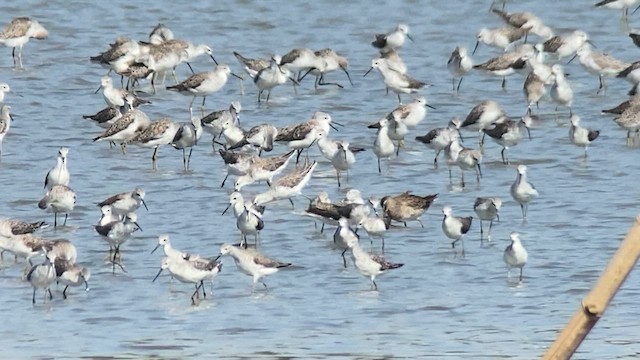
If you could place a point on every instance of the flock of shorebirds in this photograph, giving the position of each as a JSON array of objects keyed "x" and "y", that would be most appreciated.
[{"x": 242, "y": 150}]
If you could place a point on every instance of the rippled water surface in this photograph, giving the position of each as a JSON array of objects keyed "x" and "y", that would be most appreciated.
[{"x": 435, "y": 306}]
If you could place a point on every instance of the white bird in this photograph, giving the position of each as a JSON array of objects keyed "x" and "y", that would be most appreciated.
[
  {"x": 399, "y": 83},
  {"x": 567, "y": 45},
  {"x": 58, "y": 175},
  {"x": 392, "y": 40},
  {"x": 383, "y": 146},
  {"x": 18, "y": 32},
  {"x": 465, "y": 158},
  {"x": 248, "y": 219},
  {"x": 252, "y": 263},
  {"x": 71, "y": 274},
  {"x": 187, "y": 136},
  {"x": 170, "y": 251},
  {"x": 126, "y": 202},
  {"x": 270, "y": 77},
  {"x": 204, "y": 84},
  {"x": 581, "y": 136},
  {"x": 522, "y": 190},
  {"x": 212, "y": 123},
  {"x": 263, "y": 169},
  {"x": 287, "y": 186},
  {"x": 329, "y": 61},
  {"x": 515, "y": 255},
  {"x": 343, "y": 159},
  {"x": 459, "y": 65},
  {"x": 4, "y": 89},
  {"x": 125, "y": 128},
  {"x": 487, "y": 209},
  {"x": 194, "y": 272},
  {"x": 117, "y": 233},
  {"x": 374, "y": 226},
  {"x": 60, "y": 199},
  {"x": 342, "y": 236},
  {"x": 561, "y": 91},
  {"x": 500, "y": 38},
  {"x": 454, "y": 227},
  {"x": 259, "y": 137},
  {"x": 482, "y": 116},
  {"x": 5, "y": 124},
  {"x": 601, "y": 64},
  {"x": 509, "y": 133},
  {"x": 158, "y": 133},
  {"x": 42, "y": 276},
  {"x": 438, "y": 139},
  {"x": 369, "y": 265}
]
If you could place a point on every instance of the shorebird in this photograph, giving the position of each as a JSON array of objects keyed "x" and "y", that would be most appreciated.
[
  {"x": 411, "y": 114},
  {"x": 394, "y": 61},
  {"x": 232, "y": 132},
  {"x": 158, "y": 133},
  {"x": 369, "y": 265},
  {"x": 212, "y": 123},
  {"x": 260, "y": 137},
  {"x": 509, "y": 133},
  {"x": 482, "y": 116},
  {"x": 503, "y": 65},
  {"x": 42, "y": 276},
  {"x": 5, "y": 124},
  {"x": 343, "y": 159},
  {"x": 526, "y": 21},
  {"x": 170, "y": 251},
  {"x": 58, "y": 175},
  {"x": 194, "y": 272},
  {"x": 561, "y": 91},
  {"x": 623, "y": 5},
  {"x": 107, "y": 215},
  {"x": 630, "y": 121},
  {"x": 465, "y": 158},
  {"x": 375, "y": 227},
  {"x": 601, "y": 64},
  {"x": 342, "y": 235},
  {"x": 117, "y": 233},
  {"x": 329, "y": 61},
  {"x": 321, "y": 208},
  {"x": 397, "y": 82},
  {"x": 299, "y": 60},
  {"x": 105, "y": 117},
  {"x": 454, "y": 227},
  {"x": 287, "y": 186},
  {"x": 71, "y": 274},
  {"x": 18, "y": 32},
  {"x": 618, "y": 110},
  {"x": 515, "y": 255},
  {"x": 567, "y": 45},
  {"x": 487, "y": 209},
  {"x": 406, "y": 207},
  {"x": 302, "y": 136},
  {"x": 126, "y": 202},
  {"x": 25, "y": 246},
  {"x": 10, "y": 227},
  {"x": 534, "y": 89},
  {"x": 580, "y": 136},
  {"x": 459, "y": 65},
  {"x": 631, "y": 73},
  {"x": 522, "y": 190},
  {"x": 252, "y": 66},
  {"x": 392, "y": 40},
  {"x": 500, "y": 38},
  {"x": 438, "y": 139},
  {"x": 63, "y": 249},
  {"x": 60, "y": 199},
  {"x": 4, "y": 89},
  {"x": 271, "y": 76},
  {"x": 125, "y": 128},
  {"x": 248, "y": 220},
  {"x": 120, "y": 56},
  {"x": 252, "y": 263},
  {"x": 204, "y": 84},
  {"x": 187, "y": 136},
  {"x": 383, "y": 146},
  {"x": 263, "y": 169},
  {"x": 237, "y": 163}
]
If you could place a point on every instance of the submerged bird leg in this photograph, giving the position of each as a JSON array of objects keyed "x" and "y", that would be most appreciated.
[
  {"x": 459, "y": 82},
  {"x": 344, "y": 259}
]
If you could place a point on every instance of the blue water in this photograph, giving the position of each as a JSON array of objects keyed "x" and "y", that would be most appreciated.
[{"x": 435, "y": 306}]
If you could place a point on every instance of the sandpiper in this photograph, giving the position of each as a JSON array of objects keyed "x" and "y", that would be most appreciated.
[
  {"x": 252, "y": 263},
  {"x": 406, "y": 207},
  {"x": 487, "y": 209},
  {"x": 515, "y": 255},
  {"x": 454, "y": 227},
  {"x": 522, "y": 190}
]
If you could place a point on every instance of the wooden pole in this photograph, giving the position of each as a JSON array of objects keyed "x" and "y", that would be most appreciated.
[{"x": 595, "y": 303}]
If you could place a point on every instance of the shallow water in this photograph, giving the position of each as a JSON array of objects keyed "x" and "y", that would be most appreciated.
[{"x": 435, "y": 306}]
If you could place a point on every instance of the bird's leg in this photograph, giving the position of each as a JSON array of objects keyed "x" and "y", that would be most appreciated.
[
  {"x": 13, "y": 55},
  {"x": 268, "y": 95},
  {"x": 399, "y": 100},
  {"x": 223, "y": 181},
  {"x": 420, "y": 221},
  {"x": 505, "y": 162},
  {"x": 344, "y": 259},
  {"x": 33, "y": 299},
  {"x": 65, "y": 219},
  {"x": 55, "y": 219},
  {"x": 478, "y": 173},
  {"x": 453, "y": 84},
  {"x": 504, "y": 82},
  {"x": 490, "y": 226},
  {"x": 524, "y": 216},
  {"x": 260, "y": 96},
  {"x": 382, "y": 244},
  {"x": 375, "y": 286},
  {"x": 291, "y": 201},
  {"x": 462, "y": 177},
  {"x": 379, "y": 170},
  {"x": 459, "y": 82},
  {"x": 321, "y": 82},
  {"x": 338, "y": 177},
  {"x": 481, "y": 233},
  {"x": 298, "y": 156},
  {"x": 154, "y": 158},
  {"x": 322, "y": 228},
  {"x": 64, "y": 292},
  {"x": 189, "y": 158},
  {"x": 204, "y": 293},
  {"x": 521, "y": 274}
]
